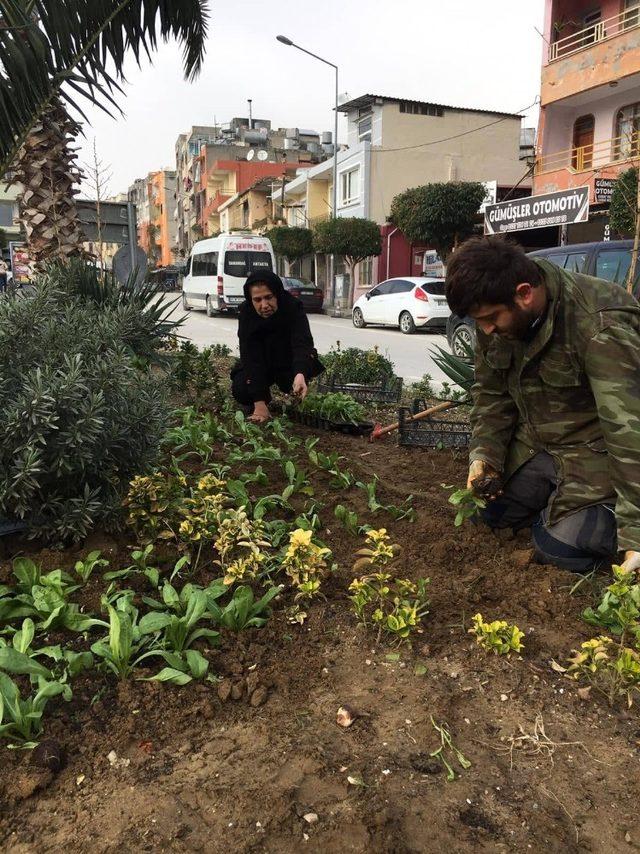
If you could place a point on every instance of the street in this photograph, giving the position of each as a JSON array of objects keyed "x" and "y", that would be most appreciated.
[{"x": 409, "y": 353}]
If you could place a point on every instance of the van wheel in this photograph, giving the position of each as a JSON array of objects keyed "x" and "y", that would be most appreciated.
[
  {"x": 406, "y": 323},
  {"x": 185, "y": 304},
  {"x": 210, "y": 309}
]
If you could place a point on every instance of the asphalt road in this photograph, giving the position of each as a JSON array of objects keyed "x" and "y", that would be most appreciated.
[{"x": 409, "y": 353}]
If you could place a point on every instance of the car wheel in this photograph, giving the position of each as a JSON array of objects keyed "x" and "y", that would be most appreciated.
[
  {"x": 210, "y": 311},
  {"x": 358, "y": 318},
  {"x": 185, "y": 304},
  {"x": 407, "y": 326},
  {"x": 463, "y": 340}
]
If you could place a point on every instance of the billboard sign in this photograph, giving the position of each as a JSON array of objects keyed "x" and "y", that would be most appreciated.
[
  {"x": 564, "y": 207},
  {"x": 603, "y": 190},
  {"x": 20, "y": 263}
]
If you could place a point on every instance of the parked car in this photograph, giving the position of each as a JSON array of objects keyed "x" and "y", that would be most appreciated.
[
  {"x": 411, "y": 302},
  {"x": 608, "y": 260},
  {"x": 309, "y": 295}
]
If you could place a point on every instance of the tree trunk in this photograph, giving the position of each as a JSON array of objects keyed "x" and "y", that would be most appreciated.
[
  {"x": 352, "y": 281},
  {"x": 636, "y": 243},
  {"x": 46, "y": 167}
]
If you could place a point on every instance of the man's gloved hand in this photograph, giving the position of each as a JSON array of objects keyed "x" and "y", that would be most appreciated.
[
  {"x": 300, "y": 386},
  {"x": 479, "y": 470},
  {"x": 631, "y": 561}
]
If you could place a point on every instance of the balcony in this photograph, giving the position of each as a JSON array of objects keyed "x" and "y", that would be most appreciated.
[
  {"x": 598, "y": 32},
  {"x": 602, "y": 54},
  {"x": 597, "y": 155}
]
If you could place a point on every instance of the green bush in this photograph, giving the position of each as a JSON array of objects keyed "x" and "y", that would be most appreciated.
[
  {"x": 354, "y": 365},
  {"x": 78, "y": 419}
]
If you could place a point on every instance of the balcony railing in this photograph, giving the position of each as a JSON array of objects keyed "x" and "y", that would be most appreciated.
[
  {"x": 598, "y": 32},
  {"x": 594, "y": 156}
]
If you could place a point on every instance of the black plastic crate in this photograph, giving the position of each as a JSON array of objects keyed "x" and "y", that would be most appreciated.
[
  {"x": 388, "y": 390},
  {"x": 11, "y": 526},
  {"x": 320, "y": 423},
  {"x": 431, "y": 432}
]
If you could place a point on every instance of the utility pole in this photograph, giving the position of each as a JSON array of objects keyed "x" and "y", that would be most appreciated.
[{"x": 636, "y": 243}]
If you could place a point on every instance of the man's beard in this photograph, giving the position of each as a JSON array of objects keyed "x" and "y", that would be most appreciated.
[{"x": 523, "y": 326}]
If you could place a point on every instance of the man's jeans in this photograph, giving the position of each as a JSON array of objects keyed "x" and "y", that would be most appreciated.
[{"x": 580, "y": 542}]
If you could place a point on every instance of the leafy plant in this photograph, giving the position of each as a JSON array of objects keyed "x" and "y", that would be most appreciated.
[
  {"x": 305, "y": 563},
  {"x": 84, "y": 568},
  {"x": 611, "y": 668},
  {"x": 195, "y": 374},
  {"x": 447, "y": 753},
  {"x": 467, "y": 504},
  {"x": 334, "y": 406},
  {"x": 498, "y": 636},
  {"x": 22, "y": 718},
  {"x": 393, "y": 605},
  {"x": 404, "y": 511},
  {"x": 240, "y": 545},
  {"x": 179, "y": 629},
  {"x": 348, "y": 518},
  {"x": 77, "y": 419},
  {"x": 355, "y": 238},
  {"x": 125, "y": 647},
  {"x": 197, "y": 435},
  {"x": 243, "y": 611},
  {"x": 619, "y": 610},
  {"x": 354, "y": 365},
  {"x": 291, "y": 242},
  {"x": 378, "y": 552}
]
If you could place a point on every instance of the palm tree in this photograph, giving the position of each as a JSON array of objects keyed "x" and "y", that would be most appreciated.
[{"x": 52, "y": 51}]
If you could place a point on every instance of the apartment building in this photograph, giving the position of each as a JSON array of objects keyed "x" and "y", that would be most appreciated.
[
  {"x": 589, "y": 127},
  {"x": 215, "y": 163},
  {"x": 394, "y": 144},
  {"x": 155, "y": 198}
]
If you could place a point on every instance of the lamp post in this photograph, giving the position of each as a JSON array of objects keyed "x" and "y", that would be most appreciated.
[{"x": 289, "y": 43}]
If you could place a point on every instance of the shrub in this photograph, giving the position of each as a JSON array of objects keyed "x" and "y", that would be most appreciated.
[
  {"x": 77, "y": 419},
  {"x": 354, "y": 365}
]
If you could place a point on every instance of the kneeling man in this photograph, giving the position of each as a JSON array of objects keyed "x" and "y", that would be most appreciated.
[{"x": 556, "y": 402}]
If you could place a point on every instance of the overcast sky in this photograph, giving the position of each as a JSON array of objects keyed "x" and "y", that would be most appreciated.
[{"x": 454, "y": 52}]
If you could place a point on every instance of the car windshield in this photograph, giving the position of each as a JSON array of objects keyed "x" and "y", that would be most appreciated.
[{"x": 435, "y": 288}]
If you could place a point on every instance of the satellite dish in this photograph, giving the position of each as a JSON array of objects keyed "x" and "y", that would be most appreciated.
[
  {"x": 121, "y": 264},
  {"x": 251, "y": 154},
  {"x": 262, "y": 154}
]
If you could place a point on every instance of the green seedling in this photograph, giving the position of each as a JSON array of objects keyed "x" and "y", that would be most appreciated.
[
  {"x": 498, "y": 636},
  {"x": 20, "y": 718},
  {"x": 18, "y": 656},
  {"x": 447, "y": 752},
  {"x": 348, "y": 518},
  {"x": 243, "y": 611},
  {"x": 85, "y": 567},
  {"x": 181, "y": 668},
  {"x": 335, "y": 406},
  {"x": 197, "y": 436},
  {"x": 467, "y": 504},
  {"x": 179, "y": 629},
  {"x": 611, "y": 668},
  {"x": 124, "y": 648},
  {"x": 403, "y": 511},
  {"x": 619, "y": 610}
]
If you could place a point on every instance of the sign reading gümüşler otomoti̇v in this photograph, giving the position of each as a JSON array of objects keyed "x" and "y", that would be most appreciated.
[{"x": 562, "y": 208}]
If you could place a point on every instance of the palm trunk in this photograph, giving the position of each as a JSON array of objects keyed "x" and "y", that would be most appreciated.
[{"x": 46, "y": 168}]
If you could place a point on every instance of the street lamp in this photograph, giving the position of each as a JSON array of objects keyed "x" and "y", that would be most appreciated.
[{"x": 289, "y": 43}]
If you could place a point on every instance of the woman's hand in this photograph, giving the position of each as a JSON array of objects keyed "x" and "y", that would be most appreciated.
[{"x": 300, "y": 386}]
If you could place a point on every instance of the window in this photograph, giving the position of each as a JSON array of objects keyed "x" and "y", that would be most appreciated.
[
  {"x": 627, "y": 141},
  {"x": 242, "y": 263},
  {"x": 631, "y": 14},
  {"x": 401, "y": 286},
  {"x": 417, "y": 108},
  {"x": 364, "y": 129},
  {"x": 575, "y": 262},
  {"x": 559, "y": 259},
  {"x": 383, "y": 289},
  {"x": 350, "y": 186},
  {"x": 365, "y": 272},
  {"x": 613, "y": 265},
  {"x": 205, "y": 264},
  {"x": 435, "y": 288},
  {"x": 6, "y": 213}
]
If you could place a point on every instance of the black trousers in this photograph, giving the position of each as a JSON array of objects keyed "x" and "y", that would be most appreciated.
[
  {"x": 579, "y": 542},
  {"x": 240, "y": 389}
]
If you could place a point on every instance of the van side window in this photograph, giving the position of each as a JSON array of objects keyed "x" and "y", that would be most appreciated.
[
  {"x": 558, "y": 259},
  {"x": 613, "y": 264},
  {"x": 205, "y": 264}
]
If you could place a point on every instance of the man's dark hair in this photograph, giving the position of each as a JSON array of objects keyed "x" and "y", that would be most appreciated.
[{"x": 487, "y": 270}]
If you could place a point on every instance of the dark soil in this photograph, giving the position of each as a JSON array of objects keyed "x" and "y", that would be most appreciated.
[{"x": 194, "y": 772}]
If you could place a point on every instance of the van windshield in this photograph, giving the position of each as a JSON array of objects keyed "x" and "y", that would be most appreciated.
[{"x": 240, "y": 264}]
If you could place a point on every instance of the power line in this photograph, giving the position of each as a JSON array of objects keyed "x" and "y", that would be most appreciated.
[{"x": 458, "y": 135}]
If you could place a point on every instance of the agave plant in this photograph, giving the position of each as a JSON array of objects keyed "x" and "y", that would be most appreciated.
[
  {"x": 52, "y": 51},
  {"x": 460, "y": 371}
]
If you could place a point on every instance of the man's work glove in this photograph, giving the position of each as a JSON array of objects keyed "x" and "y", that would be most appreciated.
[
  {"x": 484, "y": 479},
  {"x": 631, "y": 562},
  {"x": 300, "y": 386}
]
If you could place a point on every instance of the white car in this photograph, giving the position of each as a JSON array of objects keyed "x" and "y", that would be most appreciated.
[{"x": 410, "y": 302}]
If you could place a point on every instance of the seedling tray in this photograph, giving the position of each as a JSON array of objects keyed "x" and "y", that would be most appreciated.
[
  {"x": 11, "y": 526},
  {"x": 430, "y": 432},
  {"x": 320, "y": 423},
  {"x": 388, "y": 390}
]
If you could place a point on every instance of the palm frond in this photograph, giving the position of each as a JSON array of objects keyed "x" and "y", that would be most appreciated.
[
  {"x": 48, "y": 47},
  {"x": 460, "y": 372}
]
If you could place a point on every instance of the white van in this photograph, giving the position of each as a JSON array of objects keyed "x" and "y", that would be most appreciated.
[{"x": 218, "y": 267}]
